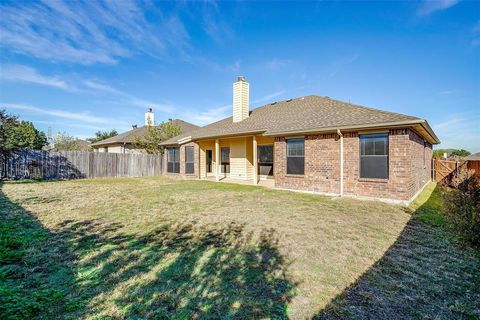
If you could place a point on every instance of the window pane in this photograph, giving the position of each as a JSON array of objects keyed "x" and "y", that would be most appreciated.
[
  {"x": 173, "y": 165},
  {"x": 295, "y": 165},
  {"x": 189, "y": 168},
  {"x": 381, "y": 146},
  {"x": 375, "y": 167},
  {"x": 374, "y": 144},
  {"x": 225, "y": 168},
  {"x": 189, "y": 155},
  {"x": 225, "y": 155},
  {"x": 265, "y": 154},
  {"x": 295, "y": 147}
]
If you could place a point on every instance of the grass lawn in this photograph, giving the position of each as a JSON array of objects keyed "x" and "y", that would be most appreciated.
[{"x": 161, "y": 248}]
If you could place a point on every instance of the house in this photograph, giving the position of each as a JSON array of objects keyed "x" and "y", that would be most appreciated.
[
  {"x": 77, "y": 145},
  {"x": 473, "y": 163},
  {"x": 124, "y": 142},
  {"x": 312, "y": 143}
]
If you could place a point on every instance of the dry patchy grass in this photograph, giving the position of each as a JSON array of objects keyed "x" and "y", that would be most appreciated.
[{"x": 164, "y": 248}]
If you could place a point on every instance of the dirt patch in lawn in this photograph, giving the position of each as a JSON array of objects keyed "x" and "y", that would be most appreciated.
[{"x": 159, "y": 248}]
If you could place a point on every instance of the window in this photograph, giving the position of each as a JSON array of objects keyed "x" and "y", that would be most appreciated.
[
  {"x": 265, "y": 160},
  {"x": 173, "y": 161},
  {"x": 295, "y": 156},
  {"x": 374, "y": 156},
  {"x": 189, "y": 160},
  {"x": 105, "y": 149},
  {"x": 225, "y": 160}
]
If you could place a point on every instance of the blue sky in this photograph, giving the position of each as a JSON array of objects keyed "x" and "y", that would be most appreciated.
[{"x": 80, "y": 67}]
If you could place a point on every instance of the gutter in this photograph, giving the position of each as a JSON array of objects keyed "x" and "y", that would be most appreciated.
[{"x": 341, "y": 161}]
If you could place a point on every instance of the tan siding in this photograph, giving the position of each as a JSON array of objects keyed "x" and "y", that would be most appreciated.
[
  {"x": 238, "y": 161},
  {"x": 249, "y": 159},
  {"x": 206, "y": 145}
]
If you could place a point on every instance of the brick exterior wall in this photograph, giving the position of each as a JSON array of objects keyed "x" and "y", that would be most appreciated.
[
  {"x": 196, "y": 162},
  {"x": 409, "y": 166},
  {"x": 322, "y": 165}
]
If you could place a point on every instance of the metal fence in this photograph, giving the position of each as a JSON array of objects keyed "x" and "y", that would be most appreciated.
[{"x": 48, "y": 165}]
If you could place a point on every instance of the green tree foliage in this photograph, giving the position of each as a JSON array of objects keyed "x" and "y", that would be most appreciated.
[
  {"x": 458, "y": 152},
  {"x": 155, "y": 135},
  {"x": 102, "y": 135},
  {"x": 27, "y": 136},
  {"x": 65, "y": 142},
  {"x": 16, "y": 134}
]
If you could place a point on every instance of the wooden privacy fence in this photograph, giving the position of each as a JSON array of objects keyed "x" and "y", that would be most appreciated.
[
  {"x": 475, "y": 166},
  {"x": 36, "y": 164},
  {"x": 444, "y": 171}
]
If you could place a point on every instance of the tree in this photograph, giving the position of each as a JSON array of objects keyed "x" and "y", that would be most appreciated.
[
  {"x": 15, "y": 135},
  {"x": 155, "y": 135},
  {"x": 65, "y": 142},
  {"x": 102, "y": 135},
  {"x": 27, "y": 136},
  {"x": 458, "y": 152}
]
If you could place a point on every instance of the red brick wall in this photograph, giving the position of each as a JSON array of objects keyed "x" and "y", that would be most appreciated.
[
  {"x": 322, "y": 165},
  {"x": 182, "y": 174},
  {"x": 407, "y": 170}
]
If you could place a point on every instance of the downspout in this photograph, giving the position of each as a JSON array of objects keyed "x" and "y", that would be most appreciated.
[{"x": 341, "y": 161}]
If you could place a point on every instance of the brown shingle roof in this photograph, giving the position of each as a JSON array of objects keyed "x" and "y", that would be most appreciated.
[
  {"x": 473, "y": 157},
  {"x": 129, "y": 136},
  {"x": 305, "y": 114}
]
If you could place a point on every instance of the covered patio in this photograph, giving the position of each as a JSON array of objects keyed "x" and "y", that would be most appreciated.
[{"x": 246, "y": 159}]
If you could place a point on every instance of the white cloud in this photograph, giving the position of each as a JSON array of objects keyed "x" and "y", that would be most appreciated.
[
  {"x": 459, "y": 131},
  {"x": 276, "y": 64},
  {"x": 79, "y": 116},
  {"x": 450, "y": 92},
  {"x": 27, "y": 74},
  {"x": 341, "y": 63},
  {"x": 206, "y": 117},
  {"x": 89, "y": 32},
  {"x": 427, "y": 7}
]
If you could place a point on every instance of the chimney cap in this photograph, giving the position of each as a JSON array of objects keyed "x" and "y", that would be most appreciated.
[{"x": 240, "y": 78}]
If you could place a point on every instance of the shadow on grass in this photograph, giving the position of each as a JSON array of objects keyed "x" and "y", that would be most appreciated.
[
  {"x": 424, "y": 274},
  {"x": 36, "y": 275},
  {"x": 94, "y": 267}
]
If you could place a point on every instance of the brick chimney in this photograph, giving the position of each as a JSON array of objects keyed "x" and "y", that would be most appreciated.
[
  {"x": 241, "y": 105},
  {"x": 149, "y": 119}
]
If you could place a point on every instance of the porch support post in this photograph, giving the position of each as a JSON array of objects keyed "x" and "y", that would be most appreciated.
[
  {"x": 217, "y": 160},
  {"x": 255, "y": 161}
]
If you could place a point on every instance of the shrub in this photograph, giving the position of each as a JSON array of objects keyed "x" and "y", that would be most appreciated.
[{"x": 462, "y": 205}]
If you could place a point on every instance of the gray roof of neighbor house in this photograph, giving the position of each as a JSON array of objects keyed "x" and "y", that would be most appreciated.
[
  {"x": 473, "y": 157},
  {"x": 304, "y": 115},
  {"x": 129, "y": 136}
]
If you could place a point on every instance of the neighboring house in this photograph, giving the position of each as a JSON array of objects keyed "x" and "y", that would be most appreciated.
[
  {"x": 124, "y": 142},
  {"x": 81, "y": 145},
  {"x": 473, "y": 163},
  {"x": 311, "y": 143}
]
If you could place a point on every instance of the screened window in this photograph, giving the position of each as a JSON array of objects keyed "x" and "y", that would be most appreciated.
[
  {"x": 173, "y": 160},
  {"x": 265, "y": 160},
  {"x": 189, "y": 160},
  {"x": 295, "y": 156},
  {"x": 225, "y": 159},
  {"x": 374, "y": 156}
]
